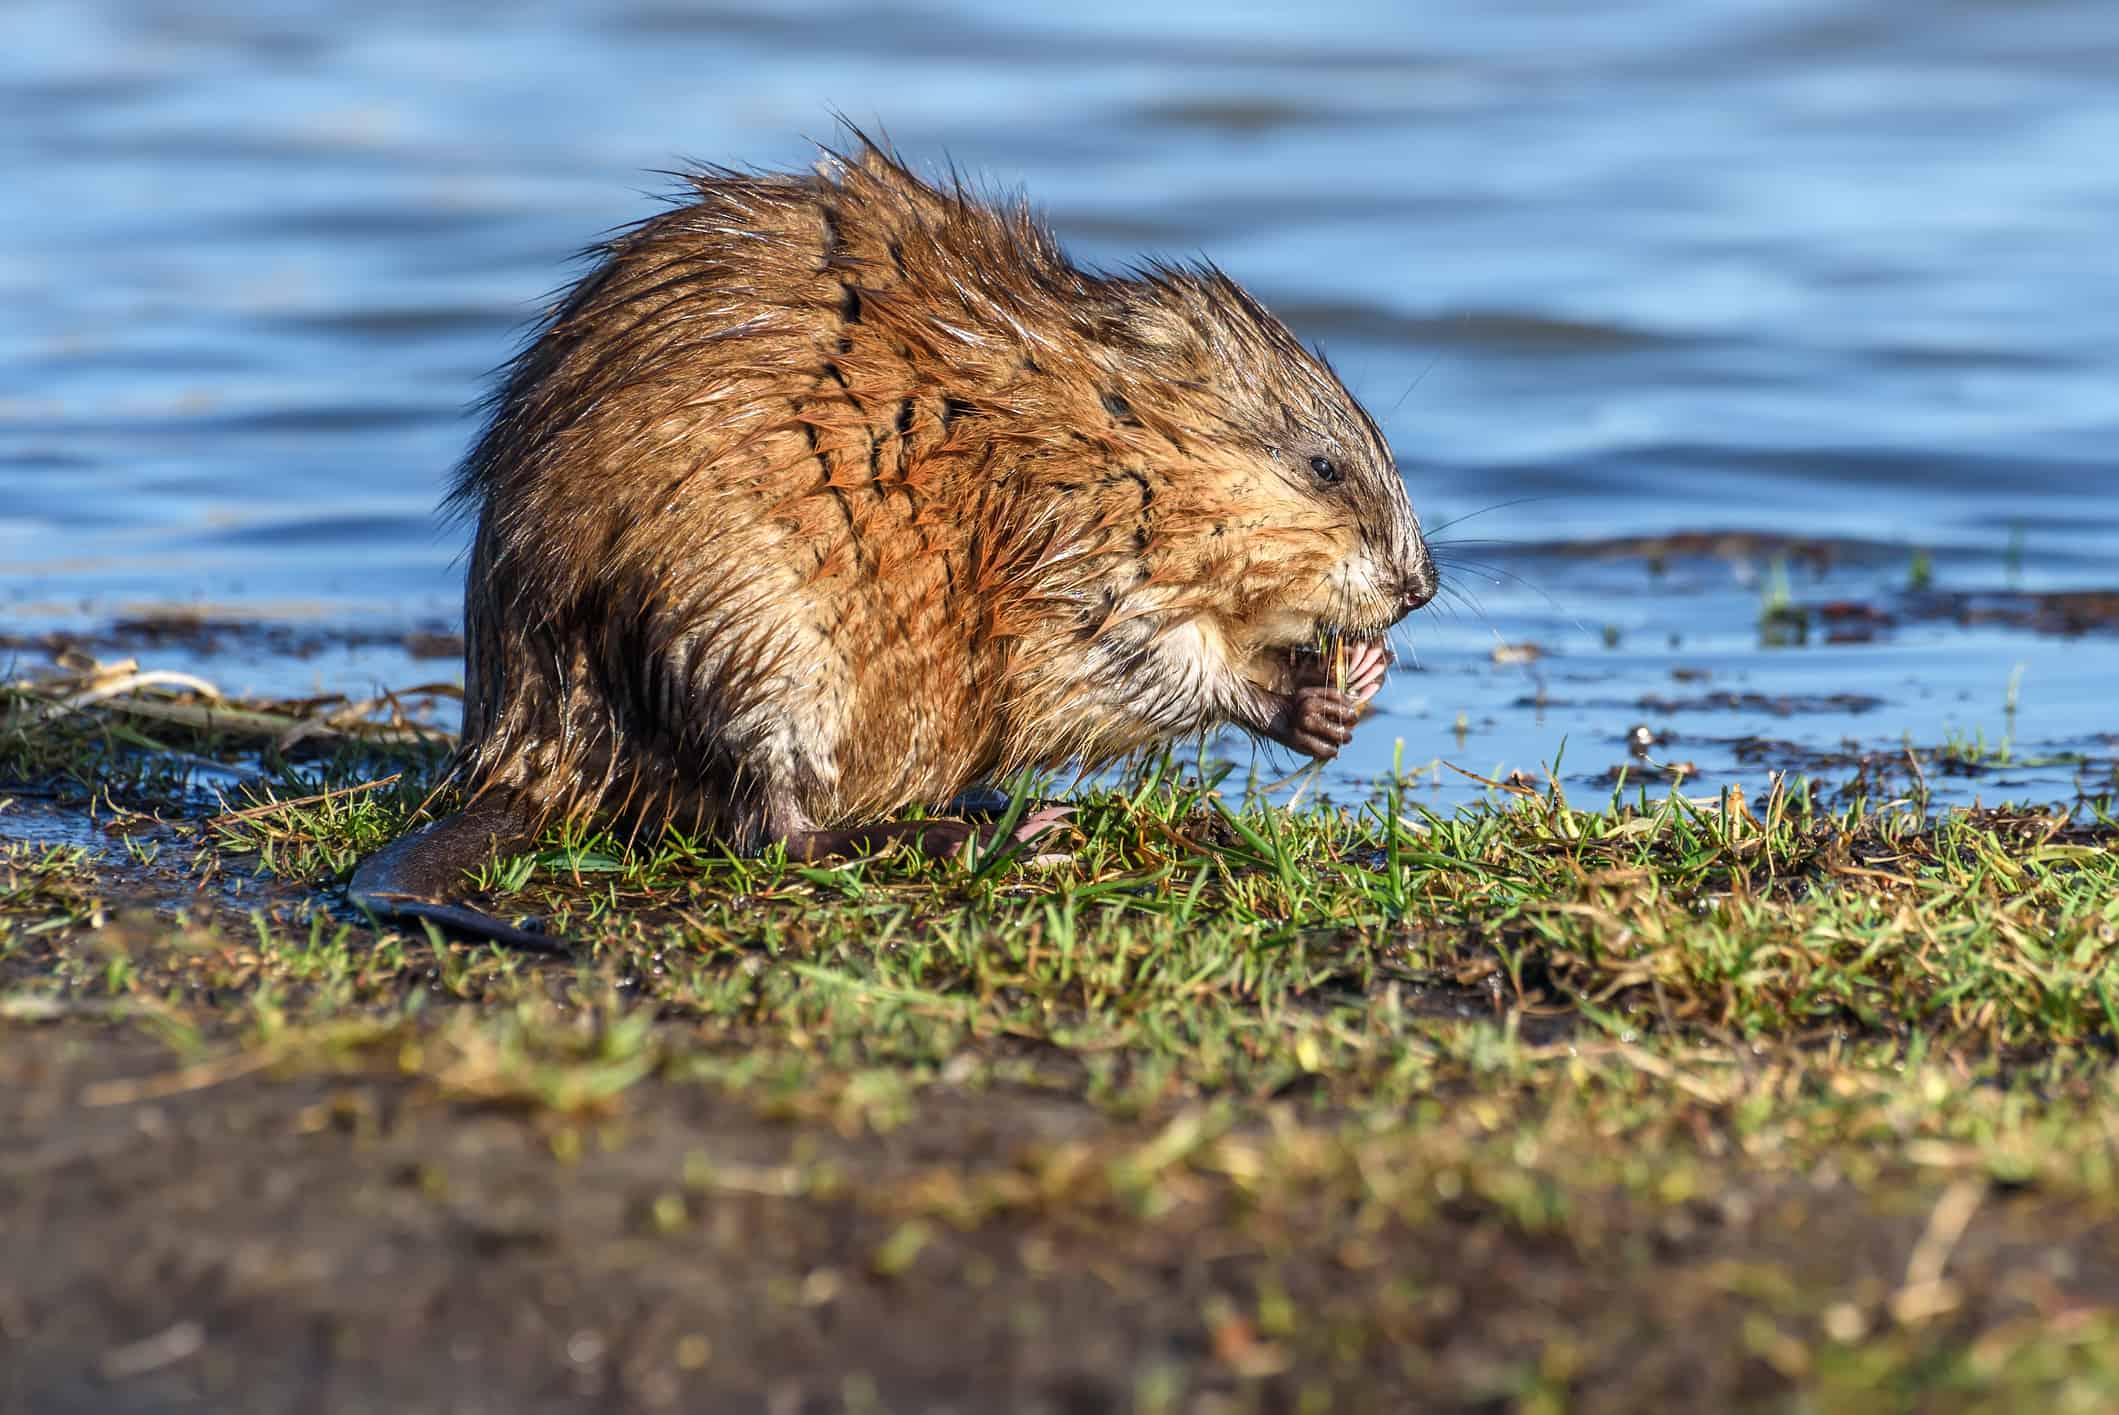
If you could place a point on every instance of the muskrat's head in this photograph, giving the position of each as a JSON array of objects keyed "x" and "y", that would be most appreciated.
[{"x": 1279, "y": 499}]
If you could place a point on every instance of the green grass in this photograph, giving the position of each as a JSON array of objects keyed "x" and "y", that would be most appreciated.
[{"x": 1320, "y": 1034}]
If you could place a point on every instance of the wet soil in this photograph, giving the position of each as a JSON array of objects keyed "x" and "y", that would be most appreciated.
[
  {"x": 230, "y": 1230},
  {"x": 352, "y": 1241}
]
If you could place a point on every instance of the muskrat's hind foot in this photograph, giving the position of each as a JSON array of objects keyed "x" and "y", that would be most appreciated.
[
  {"x": 417, "y": 876},
  {"x": 936, "y": 839}
]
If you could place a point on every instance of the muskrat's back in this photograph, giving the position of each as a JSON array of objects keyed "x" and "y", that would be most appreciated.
[
  {"x": 826, "y": 495},
  {"x": 676, "y": 506}
]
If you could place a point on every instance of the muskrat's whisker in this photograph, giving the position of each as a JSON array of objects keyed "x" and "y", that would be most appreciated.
[
  {"x": 1499, "y": 574},
  {"x": 1461, "y": 598},
  {"x": 1418, "y": 379},
  {"x": 1487, "y": 567},
  {"x": 1456, "y": 597},
  {"x": 1483, "y": 510},
  {"x": 1478, "y": 568},
  {"x": 1448, "y": 561},
  {"x": 1412, "y": 652},
  {"x": 1446, "y": 545}
]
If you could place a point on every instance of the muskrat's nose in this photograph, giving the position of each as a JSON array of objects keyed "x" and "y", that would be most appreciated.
[{"x": 1417, "y": 589}]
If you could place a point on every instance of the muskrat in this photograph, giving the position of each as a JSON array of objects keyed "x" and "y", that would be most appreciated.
[{"x": 827, "y": 495}]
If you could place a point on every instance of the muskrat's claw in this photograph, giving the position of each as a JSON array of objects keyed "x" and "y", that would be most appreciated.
[
  {"x": 941, "y": 838},
  {"x": 1365, "y": 669},
  {"x": 1357, "y": 670},
  {"x": 1030, "y": 827}
]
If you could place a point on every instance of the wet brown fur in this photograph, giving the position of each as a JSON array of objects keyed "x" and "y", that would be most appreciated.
[{"x": 825, "y": 495}]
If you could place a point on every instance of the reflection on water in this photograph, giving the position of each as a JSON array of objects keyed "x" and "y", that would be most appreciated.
[{"x": 1830, "y": 271}]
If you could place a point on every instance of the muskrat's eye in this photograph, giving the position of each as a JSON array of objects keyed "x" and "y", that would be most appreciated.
[{"x": 1325, "y": 468}]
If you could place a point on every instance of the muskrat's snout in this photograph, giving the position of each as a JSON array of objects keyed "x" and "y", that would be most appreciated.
[{"x": 1419, "y": 584}]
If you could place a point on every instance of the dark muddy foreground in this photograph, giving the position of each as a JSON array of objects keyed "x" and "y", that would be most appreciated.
[
  {"x": 1705, "y": 1106},
  {"x": 324, "y": 1240}
]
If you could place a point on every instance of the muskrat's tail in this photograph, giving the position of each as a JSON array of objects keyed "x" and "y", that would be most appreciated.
[{"x": 415, "y": 877}]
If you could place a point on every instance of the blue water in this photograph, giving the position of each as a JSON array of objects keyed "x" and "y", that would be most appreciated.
[{"x": 1828, "y": 270}]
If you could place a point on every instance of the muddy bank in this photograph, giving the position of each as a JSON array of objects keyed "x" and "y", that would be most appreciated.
[
  {"x": 245, "y": 1235},
  {"x": 782, "y": 1141}
]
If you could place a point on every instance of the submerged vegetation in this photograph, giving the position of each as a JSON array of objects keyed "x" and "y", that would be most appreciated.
[{"x": 1199, "y": 1102}]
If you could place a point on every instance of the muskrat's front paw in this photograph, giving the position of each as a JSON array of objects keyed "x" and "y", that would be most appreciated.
[{"x": 1318, "y": 721}]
